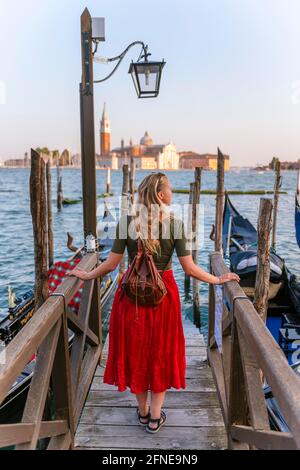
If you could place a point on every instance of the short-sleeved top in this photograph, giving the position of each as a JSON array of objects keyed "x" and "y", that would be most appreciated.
[{"x": 171, "y": 236}]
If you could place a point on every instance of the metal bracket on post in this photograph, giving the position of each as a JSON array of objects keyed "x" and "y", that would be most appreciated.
[{"x": 86, "y": 58}]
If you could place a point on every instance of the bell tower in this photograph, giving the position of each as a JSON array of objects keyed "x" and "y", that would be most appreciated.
[{"x": 104, "y": 133}]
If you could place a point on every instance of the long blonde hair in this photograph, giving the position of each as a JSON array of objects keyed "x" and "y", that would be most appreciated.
[{"x": 148, "y": 199}]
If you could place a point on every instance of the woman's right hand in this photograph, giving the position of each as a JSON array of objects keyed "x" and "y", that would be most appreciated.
[
  {"x": 228, "y": 277},
  {"x": 80, "y": 273}
]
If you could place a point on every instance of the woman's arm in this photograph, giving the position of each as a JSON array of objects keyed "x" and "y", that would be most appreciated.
[
  {"x": 107, "y": 266},
  {"x": 191, "y": 269}
]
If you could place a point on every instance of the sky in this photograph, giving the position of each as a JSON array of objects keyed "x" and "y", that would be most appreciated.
[{"x": 231, "y": 80}]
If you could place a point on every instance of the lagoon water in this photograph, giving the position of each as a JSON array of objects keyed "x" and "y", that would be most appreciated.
[{"x": 16, "y": 238}]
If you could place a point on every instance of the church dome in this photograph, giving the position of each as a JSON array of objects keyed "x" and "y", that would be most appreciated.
[{"x": 146, "y": 139}]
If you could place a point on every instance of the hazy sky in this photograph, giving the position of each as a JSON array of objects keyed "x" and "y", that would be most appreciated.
[{"x": 232, "y": 77}]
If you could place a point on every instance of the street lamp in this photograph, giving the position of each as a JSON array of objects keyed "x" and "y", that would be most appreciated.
[{"x": 146, "y": 75}]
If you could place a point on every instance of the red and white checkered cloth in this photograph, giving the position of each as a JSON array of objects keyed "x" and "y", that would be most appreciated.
[{"x": 57, "y": 273}]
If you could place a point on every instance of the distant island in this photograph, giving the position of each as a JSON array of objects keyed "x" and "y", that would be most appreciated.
[{"x": 283, "y": 165}]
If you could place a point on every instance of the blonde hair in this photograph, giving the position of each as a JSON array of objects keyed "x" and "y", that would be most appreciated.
[{"x": 148, "y": 199}]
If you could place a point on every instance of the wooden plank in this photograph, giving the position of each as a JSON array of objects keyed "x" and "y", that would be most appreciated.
[
  {"x": 176, "y": 399},
  {"x": 39, "y": 386},
  {"x": 90, "y": 361},
  {"x": 61, "y": 381},
  {"x": 11, "y": 434},
  {"x": 192, "y": 417},
  {"x": 199, "y": 384},
  {"x": 267, "y": 440},
  {"x": 79, "y": 340},
  {"x": 14, "y": 434},
  {"x": 133, "y": 437},
  {"x": 255, "y": 396},
  {"x": 63, "y": 442},
  {"x": 76, "y": 325},
  {"x": 237, "y": 404},
  {"x": 215, "y": 361}
]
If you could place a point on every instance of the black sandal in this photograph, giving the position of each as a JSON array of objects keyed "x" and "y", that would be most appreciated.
[
  {"x": 160, "y": 422},
  {"x": 143, "y": 417}
]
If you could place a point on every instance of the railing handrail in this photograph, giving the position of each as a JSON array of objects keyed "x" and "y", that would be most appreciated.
[
  {"x": 283, "y": 381},
  {"x": 19, "y": 351}
]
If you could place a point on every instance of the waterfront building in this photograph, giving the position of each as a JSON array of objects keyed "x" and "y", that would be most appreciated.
[
  {"x": 146, "y": 154},
  {"x": 207, "y": 161}
]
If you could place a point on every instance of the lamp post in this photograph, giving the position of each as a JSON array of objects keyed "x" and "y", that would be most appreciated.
[{"x": 146, "y": 76}]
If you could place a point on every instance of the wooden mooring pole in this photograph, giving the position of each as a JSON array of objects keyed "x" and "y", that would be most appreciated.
[
  {"x": 219, "y": 202},
  {"x": 49, "y": 214},
  {"x": 195, "y": 229},
  {"x": 38, "y": 208},
  {"x": 108, "y": 181},
  {"x": 124, "y": 207},
  {"x": 277, "y": 186},
  {"x": 262, "y": 281},
  {"x": 131, "y": 179},
  {"x": 60, "y": 196},
  {"x": 187, "y": 279}
]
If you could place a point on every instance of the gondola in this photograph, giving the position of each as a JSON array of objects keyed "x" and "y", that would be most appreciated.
[
  {"x": 239, "y": 239},
  {"x": 22, "y": 309}
]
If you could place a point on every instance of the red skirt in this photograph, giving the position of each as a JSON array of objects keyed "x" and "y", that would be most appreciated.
[{"x": 146, "y": 349}]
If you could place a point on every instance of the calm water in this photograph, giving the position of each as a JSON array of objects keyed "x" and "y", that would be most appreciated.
[{"x": 16, "y": 240}]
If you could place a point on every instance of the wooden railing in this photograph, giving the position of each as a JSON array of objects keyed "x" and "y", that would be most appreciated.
[
  {"x": 66, "y": 372},
  {"x": 247, "y": 353}
]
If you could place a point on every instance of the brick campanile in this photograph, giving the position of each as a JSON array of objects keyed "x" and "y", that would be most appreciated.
[{"x": 104, "y": 133}]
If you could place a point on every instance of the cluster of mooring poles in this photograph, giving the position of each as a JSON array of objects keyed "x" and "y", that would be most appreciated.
[
  {"x": 193, "y": 235},
  {"x": 265, "y": 223}
]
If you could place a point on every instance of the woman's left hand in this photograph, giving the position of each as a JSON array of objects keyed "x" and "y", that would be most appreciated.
[{"x": 80, "y": 273}]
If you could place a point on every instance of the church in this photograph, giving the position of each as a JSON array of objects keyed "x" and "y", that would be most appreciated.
[{"x": 146, "y": 154}]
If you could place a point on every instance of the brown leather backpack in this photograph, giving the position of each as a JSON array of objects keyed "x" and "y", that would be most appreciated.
[{"x": 142, "y": 282}]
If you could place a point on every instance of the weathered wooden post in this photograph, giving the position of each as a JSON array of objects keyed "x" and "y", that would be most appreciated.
[
  {"x": 219, "y": 202},
  {"x": 195, "y": 229},
  {"x": 131, "y": 178},
  {"x": 49, "y": 214},
  {"x": 124, "y": 206},
  {"x": 187, "y": 279},
  {"x": 108, "y": 181},
  {"x": 88, "y": 160},
  {"x": 38, "y": 208},
  {"x": 276, "y": 199},
  {"x": 262, "y": 280},
  {"x": 60, "y": 196}
]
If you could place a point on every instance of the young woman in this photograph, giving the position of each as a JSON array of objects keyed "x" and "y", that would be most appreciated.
[{"x": 146, "y": 344}]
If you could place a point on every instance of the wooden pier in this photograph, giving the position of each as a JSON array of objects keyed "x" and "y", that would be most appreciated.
[{"x": 194, "y": 418}]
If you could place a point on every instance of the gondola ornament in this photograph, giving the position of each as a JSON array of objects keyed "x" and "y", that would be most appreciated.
[
  {"x": 11, "y": 298},
  {"x": 90, "y": 243}
]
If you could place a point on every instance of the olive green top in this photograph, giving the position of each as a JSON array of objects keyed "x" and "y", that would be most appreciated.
[{"x": 173, "y": 237}]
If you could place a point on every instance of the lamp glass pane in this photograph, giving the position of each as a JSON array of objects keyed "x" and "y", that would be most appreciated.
[{"x": 147, "y": 76}]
